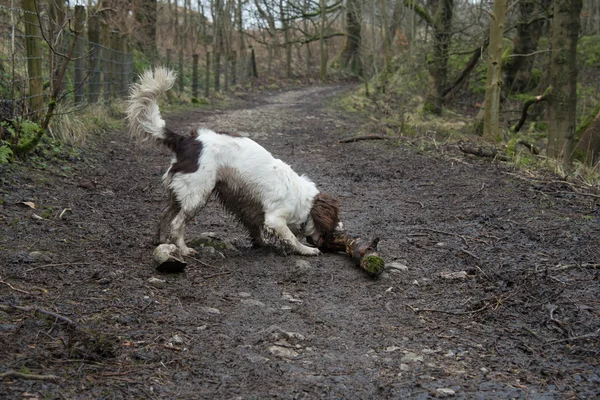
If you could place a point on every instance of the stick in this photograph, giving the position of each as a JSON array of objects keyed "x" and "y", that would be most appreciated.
[
  {"x": 361, "y": 138},
  {"x": 363, "y": 252},
  {"x": 35, "y": 377},
  {"x": 7, "y": 307}
]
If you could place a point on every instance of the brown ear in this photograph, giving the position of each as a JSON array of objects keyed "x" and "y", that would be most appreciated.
[{"x": 325, "y": 213}]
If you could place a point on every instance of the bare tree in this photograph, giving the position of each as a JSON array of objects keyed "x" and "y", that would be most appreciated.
[
  {"x": 562, "y": 98},
  {"x": 491, "y": 120}
]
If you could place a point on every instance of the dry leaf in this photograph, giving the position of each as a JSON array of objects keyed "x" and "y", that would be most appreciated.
[{"x": 29, "y": 204}]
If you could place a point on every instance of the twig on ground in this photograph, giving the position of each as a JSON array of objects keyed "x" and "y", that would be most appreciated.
[
  {"x": 215, "y": 275},
  {"x": 56, "y": 265},
  {"x": 572, "y": 338},
  {"x": 35, "y": 377},
  {"x": 14, "y": 288},
  {"x": 418, "y": 310},
  {"x": 447, "y": 233},
  {"x": 8, "y": 307},
  {"x": 361, "y": 138}
]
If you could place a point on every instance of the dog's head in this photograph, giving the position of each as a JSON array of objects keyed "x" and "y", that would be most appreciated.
[{"x": 325, "y": 215}]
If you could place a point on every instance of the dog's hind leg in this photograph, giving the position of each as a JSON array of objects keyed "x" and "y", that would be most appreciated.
[
  {"x": 178, "y": 232},
  {"x": 165, "y": 222},
  {"x": 190, "y": 202}
]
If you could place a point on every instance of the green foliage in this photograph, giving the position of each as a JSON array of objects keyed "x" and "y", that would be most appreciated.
[
  {"x": 588, "y": 51},
  {"x": 6, "y": 153}
]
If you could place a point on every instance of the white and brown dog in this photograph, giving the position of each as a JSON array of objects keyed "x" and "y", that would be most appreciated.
[{"x": 263, "y": 192}]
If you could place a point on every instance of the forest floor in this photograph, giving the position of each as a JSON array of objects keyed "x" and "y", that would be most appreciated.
[{"x": 492, "y": 291}]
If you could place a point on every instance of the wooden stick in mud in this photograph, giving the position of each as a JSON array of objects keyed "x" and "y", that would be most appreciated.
[{"x": 363, "y": 251}]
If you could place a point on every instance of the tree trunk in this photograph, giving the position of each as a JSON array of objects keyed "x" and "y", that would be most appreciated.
[
  {"x": 589, "y": 144},
  {"x": 323, "y": 69},
  {"x": 518, "y": 68},
  {"x": 491, "y": 118},
  {"x": 439, "y": 65},
  {"x": 350, "y": 54},
  {"x": 145, "y": 34},
  {"x": 562, "y": 99}
]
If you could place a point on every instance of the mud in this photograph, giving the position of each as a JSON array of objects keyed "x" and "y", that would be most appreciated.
[{"x": 492, "y": 291}]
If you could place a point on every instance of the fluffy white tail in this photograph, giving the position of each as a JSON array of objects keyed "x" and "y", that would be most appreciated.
[{"x": 143, "y": 116}]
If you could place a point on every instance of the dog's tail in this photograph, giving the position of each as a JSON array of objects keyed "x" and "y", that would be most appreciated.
[{"x": 143, "y": 116}]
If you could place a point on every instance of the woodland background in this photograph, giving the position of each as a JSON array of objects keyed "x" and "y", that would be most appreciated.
[{"x": 519, "y": 78}]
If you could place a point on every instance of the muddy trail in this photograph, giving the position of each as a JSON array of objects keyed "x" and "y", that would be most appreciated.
[{"x": 492, "y": 289}]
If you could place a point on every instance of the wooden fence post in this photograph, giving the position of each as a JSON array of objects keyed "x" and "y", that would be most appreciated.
[
  {"x": 226, "y": 73},
  {"x": 217, "y": 70},
  {"x": 195, "y": 75},
  {"x": 105, "y": 62},
  {"x": 93, "y": 41},
  {"x": 234, "y": 68},
  {"x": 122, "y": 71},
  {"x": 114, "y": 59},
  {"x": 57, "y": 43},
  {"x": 207, "y": 76},
  {"x": 180, "y": 75},
  {"x": 34, "y": 58},
  {"x": 78, "y": 61},
  {"x": 252, "y": 73}
]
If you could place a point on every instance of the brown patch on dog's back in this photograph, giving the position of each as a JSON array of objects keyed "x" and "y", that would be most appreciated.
[{"x": 187, "y": 151}]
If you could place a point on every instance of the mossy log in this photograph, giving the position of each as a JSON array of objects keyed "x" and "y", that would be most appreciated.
[{"x": 363, "y": 251}]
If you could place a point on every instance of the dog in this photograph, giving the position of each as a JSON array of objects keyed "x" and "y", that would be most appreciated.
[{"x": 263, "y": 192}]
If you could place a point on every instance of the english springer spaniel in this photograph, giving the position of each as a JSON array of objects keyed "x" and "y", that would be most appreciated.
[{"x": 263, "y": 192}]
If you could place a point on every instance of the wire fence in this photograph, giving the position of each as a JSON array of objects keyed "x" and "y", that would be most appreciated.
[{"x": 48, "y": 52}]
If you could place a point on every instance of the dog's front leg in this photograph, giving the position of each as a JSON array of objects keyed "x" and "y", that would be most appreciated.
[{"x": 278, "y": 225}]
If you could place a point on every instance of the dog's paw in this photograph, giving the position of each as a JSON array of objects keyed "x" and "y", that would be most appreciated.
[
  {"x": 187, "y": 251},
  {"x": 309, "y": 251}
]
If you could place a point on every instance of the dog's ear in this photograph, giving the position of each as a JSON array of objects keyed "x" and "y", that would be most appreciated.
[{"x": 325, "y": 213}]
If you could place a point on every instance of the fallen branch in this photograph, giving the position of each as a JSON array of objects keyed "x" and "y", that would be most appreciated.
[
  {"x": 9, "y": 307},
  {"x": 482, "y": 152},
  {"x": 363, "y": 251},
  {"x": 35, "y": 377},
  {"x": 361, "y": 138}
]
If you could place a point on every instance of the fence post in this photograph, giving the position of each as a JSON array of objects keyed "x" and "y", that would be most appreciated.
[
  {"x": 94, "y": 40},
  {"x": 233, "y": 68},
  {"x": 217, "y": 70},
  {"x": 195, "y": 75},
  {"x": 207, "y": 76},
  {"x": 226, "y": 73},
  {"x": 34, "y": 58},
  {"x": 57, "y": 44},
  {"x": 78, "y": 61},
  {"x": 114, "y": 59},
  {"x": 252, "y": 73},
  {"x": 106, "y": 62},
  {"x": 180, "y": 77},
  {"x": 122, "y": 66}
]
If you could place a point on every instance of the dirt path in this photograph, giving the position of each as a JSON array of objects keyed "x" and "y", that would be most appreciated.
[{"x": 520, "y": 319}]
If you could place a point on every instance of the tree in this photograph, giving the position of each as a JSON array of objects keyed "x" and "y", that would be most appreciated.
[
  {"x": 350, "y": 56},
  {"x": 491, "y": 119},
  {"x": 441, "y": 23},
  {"x": 145, "y": 35},
  {"x": 562, "y": 97},
  {"x": 533, "y": 14}
]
